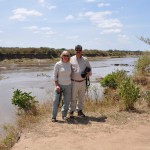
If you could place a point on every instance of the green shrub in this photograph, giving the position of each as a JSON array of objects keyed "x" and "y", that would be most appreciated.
[
  {"x": 24, "y": 101},
  {"x": 114, "y": 79},
  {"x": 109, "y": 81},
  {"x": 147, "y": 97},
  {"x": 129, "y": 94},
  {"x": 142, "y": 63}
]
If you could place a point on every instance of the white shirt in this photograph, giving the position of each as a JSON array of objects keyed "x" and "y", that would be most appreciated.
[{"x": 62, "y": 73}]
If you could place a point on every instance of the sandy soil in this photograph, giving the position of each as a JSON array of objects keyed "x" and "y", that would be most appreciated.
[{"x": 117, "y": 131}]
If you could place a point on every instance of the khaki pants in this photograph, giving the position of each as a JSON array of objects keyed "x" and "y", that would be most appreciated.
[{"x": 78, "y": 94}]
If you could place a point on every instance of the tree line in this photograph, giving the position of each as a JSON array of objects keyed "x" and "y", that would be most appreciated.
[{"x": 49, "y": 53}]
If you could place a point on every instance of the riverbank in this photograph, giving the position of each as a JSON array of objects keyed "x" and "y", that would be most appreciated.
[
  {"x": 110, "y": 130},
  {"x": 53, "y": 60},
  {"x": 36, "y": 61}
]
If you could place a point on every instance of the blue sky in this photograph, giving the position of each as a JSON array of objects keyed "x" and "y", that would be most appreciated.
[{"x": 95, "y": 24}]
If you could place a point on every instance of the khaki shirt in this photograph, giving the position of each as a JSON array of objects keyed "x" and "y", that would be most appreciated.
[{"x": 78, "y": 66}]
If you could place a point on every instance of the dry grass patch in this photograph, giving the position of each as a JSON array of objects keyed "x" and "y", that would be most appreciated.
[{"x": 24, "y": 121}]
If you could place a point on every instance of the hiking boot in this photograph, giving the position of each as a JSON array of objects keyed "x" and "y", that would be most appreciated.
[
  {"x": 81, "y": 114},
  {"x": 71, "y": 115},
  {"x": 54, "y": 120},
  {"x": 64, "y": 118}
]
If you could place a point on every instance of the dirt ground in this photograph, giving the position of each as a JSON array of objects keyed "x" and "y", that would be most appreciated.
[{"x": 116, "y": 131}]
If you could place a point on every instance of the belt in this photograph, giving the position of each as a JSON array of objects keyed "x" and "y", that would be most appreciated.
[{"x": 77, "y": 80}]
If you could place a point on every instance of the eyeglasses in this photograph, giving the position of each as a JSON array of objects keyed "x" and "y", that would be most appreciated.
[
  {"x": 78, "y": 50},
  {"x": 66, "y": 55}
]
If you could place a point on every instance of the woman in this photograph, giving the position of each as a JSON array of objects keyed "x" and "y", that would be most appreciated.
[{"x": 62, "y": 77}]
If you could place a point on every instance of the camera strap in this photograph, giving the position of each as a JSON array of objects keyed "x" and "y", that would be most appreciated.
[
  {"x": 87, "y": 82},
  {"x": 60, "y": 104}
]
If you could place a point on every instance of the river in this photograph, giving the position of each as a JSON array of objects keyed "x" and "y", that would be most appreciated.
[{"x": 38, "y": 79}]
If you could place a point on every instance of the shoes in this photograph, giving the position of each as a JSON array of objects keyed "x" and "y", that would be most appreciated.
[
  {"x": 64, "y": 118},
  {"x": 71, "y": 115},
  {"x": 81, "y": 114},
  {"x": 54, "y": 120}
]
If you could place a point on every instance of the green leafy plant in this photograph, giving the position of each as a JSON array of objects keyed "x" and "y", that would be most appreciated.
[
  {"x": 109, "y": 81},
  {"x": 142, "y": 63},
  {"x": 114, "y": 79},
  {"x": 129, "y": 94},
  {"x": 147, "y": 97},
  {"x": 24, "y": 101}
]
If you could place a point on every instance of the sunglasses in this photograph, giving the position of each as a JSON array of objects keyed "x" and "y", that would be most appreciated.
[
  {"x": 66, "y": 55},
  {"x": 78, "y": 50}
]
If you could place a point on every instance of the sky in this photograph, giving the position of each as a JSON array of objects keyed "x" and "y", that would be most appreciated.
[{"x": 94, "y": 24}]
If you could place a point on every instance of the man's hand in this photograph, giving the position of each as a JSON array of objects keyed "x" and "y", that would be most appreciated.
[{"x": 87, "y": 74}]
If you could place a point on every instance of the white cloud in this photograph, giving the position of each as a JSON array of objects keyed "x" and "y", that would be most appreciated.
[
  {"x": 42, "y": 30},
  {"x": 41, "y": 1},
  {"x": 108, "y": 31},
  {"x": 122, "y": 38},
  {"x": 89, "y": 1},
  {"x": 22, "y": 13},
  {"x": 46, "y": 5},
  {"x": 69, "y": 17},
  {"x": 32, "y": 28},
  {"x": 72, "y": 37},
  {"x": 110, "y": 23},
  {"x": 1, "y": 31},
  {"x": 45, "y": 28},
  {"x": 102, "y": 22},
  {"x": 103, "y": 4},
  {"x": 97, "y": 16},
  {"x": 50, "y": 32},
  {"x": 50, "y": 7}
]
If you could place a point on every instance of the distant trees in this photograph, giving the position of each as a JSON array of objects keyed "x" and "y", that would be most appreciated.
[{"x": 48, "y": 53}]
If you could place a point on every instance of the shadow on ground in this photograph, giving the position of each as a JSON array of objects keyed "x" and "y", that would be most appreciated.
[{"x": 86, "y": 120}]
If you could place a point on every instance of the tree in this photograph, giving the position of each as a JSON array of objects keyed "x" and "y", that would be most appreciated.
[{"x": 146, "y": 40}]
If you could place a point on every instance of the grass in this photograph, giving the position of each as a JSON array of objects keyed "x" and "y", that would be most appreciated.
[
  {"x": 25, "y": 120},
  {"x": 142, "y": 63},
  {"x": 11, "y": 137}
]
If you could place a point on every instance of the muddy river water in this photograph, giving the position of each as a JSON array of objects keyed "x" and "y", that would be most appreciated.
[{"x": 38, "y": 79}]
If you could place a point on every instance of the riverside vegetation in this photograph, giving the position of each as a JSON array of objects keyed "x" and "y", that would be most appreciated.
[
  {"x": 121, "y": 93},
  {"x": 49, "y": 53}
]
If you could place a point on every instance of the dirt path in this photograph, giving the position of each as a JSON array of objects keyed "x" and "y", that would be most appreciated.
[{"x": 125, "y": 131}]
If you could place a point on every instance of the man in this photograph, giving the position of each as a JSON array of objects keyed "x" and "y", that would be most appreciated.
[{"x": 79, "y": 63}]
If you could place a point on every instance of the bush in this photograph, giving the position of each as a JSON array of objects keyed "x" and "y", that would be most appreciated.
[
  {"x": 142, "y": 64},
  {"x": 147, "y": 97},
  {"x": 114, "y": 79},
  {"x": 129, "y": 94},
  {"x": 24, "y": 101},
  {"x": 109, "y": 81}
]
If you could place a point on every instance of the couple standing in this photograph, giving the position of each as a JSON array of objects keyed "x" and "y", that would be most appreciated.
[{"x": 68, "y": 80}]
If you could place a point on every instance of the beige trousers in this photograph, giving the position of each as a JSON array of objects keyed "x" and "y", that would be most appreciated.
[{"x": 78, "y": 95}]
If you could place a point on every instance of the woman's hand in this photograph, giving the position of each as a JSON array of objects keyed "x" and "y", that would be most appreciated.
[{"x": 58, "y": 89}]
